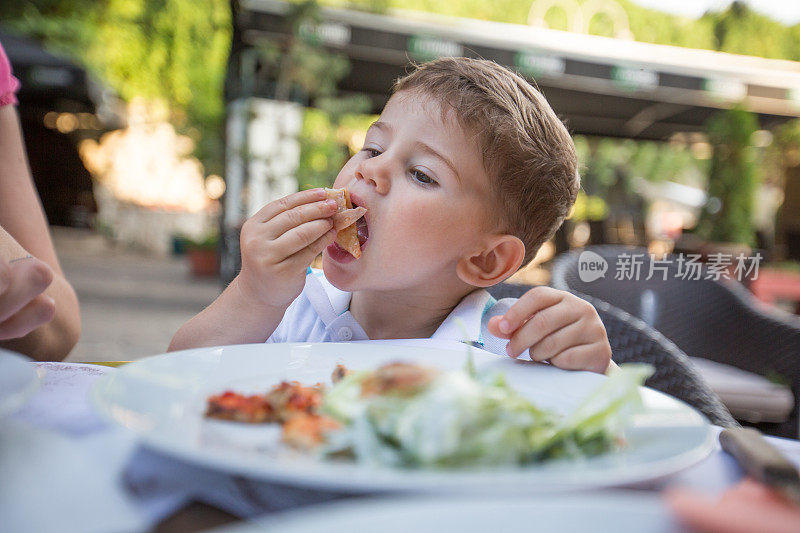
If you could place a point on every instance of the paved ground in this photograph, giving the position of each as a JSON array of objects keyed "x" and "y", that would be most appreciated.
[{"x": 131, "y": 303}]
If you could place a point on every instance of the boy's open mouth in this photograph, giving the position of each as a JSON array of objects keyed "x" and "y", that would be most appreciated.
[
  {"x": 363, "y": 231},
  {"x": 339, "y": 254},
  {"x": 362, "y": 227}
]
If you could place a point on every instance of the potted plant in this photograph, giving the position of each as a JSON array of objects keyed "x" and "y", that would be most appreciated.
[{"x": 203, "y": 255}]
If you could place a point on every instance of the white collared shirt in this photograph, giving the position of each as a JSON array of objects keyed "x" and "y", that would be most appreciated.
[{"x": 322, "y": 314}]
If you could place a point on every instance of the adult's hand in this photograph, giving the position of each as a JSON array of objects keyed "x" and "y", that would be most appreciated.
[
  {"x": 52, "y": 329},
  {"x": 39, "y": 314},
  {"x": 23, "y": 304}
]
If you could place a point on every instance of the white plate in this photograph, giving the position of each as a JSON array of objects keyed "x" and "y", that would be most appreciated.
[
  {"x": 617, "y": 511},
  {"x": 162, "y": 398},
  {"x": 18, "y": 381}
]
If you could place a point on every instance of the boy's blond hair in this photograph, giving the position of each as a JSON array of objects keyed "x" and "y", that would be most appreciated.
[{"x": 526, "y": 149}]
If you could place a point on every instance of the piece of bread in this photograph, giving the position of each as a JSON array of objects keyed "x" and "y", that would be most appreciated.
[{"x": 347, "y": 237}]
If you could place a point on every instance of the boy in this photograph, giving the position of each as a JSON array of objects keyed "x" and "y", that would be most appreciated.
[{"x": 467, "y": 172}]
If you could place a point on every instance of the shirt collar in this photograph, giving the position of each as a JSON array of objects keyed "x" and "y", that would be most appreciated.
[
  {"x": 330, "y": 303},
  {"x": 470, "y": 310}
]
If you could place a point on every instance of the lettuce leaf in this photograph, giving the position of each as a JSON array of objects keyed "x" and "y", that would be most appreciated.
[{"x": 463, "y": 419}]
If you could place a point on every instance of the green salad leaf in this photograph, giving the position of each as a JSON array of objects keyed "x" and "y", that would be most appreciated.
[{"x": 463, "y": 419}]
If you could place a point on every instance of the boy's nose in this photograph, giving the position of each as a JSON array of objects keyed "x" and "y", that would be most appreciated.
[{"x": 376, "y": 174}]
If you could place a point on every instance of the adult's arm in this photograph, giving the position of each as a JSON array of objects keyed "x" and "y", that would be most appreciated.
[{"x": 26, "y": 232}]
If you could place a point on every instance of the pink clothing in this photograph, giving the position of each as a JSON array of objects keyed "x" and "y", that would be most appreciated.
[{"x": 8, "y": 83}]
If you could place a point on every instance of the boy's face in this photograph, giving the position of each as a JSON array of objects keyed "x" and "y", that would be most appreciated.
[{"x": 427, "y": 196}]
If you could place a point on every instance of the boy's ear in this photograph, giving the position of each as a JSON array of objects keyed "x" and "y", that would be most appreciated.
[{"x": 501, "y": 258}]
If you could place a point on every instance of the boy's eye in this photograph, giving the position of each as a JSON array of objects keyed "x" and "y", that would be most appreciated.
[
  {"x": 372, "y": 152},
  {"x": 422, "y": 178}
]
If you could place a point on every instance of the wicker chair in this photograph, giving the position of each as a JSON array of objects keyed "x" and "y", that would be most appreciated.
[
  {"x": 715, "y": 320},
  {"x": 634, "y": 341}
]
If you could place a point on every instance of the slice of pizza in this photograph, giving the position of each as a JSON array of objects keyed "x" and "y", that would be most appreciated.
[{"x": 347, "y": 236}]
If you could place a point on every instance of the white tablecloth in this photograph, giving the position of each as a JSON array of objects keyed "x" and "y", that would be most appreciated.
[{"x": 63, "y": 469}]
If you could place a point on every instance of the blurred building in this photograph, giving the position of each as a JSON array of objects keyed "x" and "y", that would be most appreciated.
[
  {"x": 598, "y": 85},
  {"x": 59, "y": 105}
]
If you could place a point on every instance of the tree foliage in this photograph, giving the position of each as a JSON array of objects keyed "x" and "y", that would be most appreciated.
[
  {"x": 727, "y": 216},
  {"x": 173, "y": 50},
  {"x": 737, "y": 29}
]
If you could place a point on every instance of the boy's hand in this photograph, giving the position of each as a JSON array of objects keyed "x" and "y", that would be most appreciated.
[
  {"x": 558, "y": 327},
  {"x": 279, "y": 243}
]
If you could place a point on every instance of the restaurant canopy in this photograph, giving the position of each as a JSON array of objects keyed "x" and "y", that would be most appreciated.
[{"x": 598, "y": 85}]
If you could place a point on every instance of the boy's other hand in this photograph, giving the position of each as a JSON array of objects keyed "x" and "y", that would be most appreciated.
[
  {"x": 278, "y": 244},
  {"x": 556, "y": 326}
]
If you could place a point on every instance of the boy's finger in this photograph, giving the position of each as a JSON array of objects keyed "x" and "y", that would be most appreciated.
[
  {"x": 291, "y": 201},
  {"x": 494, "y": 327},
  {"x": 283, "y": 222},
  {"x": 37, "y": 312},
  {"x": 589, "y": 357},
  {"x": 558, "y": 341},
  {"x": 531, "y": 302},
  {"x": 307, "y": 255},
  {"x": 539, "y": 326},
  {"x": 301, "y": 237}
]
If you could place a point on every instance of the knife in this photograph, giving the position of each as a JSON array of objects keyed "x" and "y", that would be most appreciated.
[{"x": 762, "y": 461}]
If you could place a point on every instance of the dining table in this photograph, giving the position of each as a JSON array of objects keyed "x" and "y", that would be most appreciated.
[{"x": 65, "y": 468}]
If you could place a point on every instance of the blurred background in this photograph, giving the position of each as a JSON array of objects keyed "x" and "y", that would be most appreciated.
[{"x": 155, "y": 127}]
